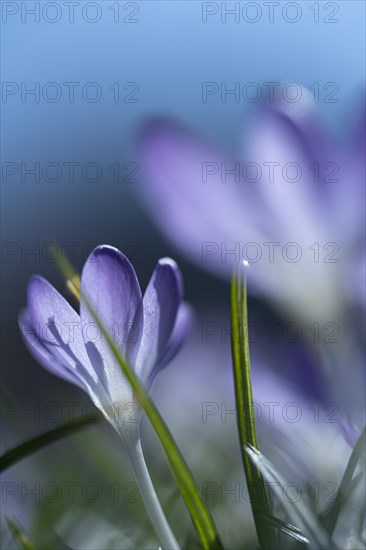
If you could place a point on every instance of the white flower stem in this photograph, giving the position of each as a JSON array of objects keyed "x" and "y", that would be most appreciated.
[{"x": 147, "y": 491}]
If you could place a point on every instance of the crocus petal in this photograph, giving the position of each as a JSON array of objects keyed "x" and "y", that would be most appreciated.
[
  {"x": 57, "y": 326},
  {"x": 52, "y": 332},
  {"x": 290, "y": 136},
  {"x": 43, "y": 355},
  {"x": 180, "y": 332},
  {"x": 109, "y": 282},
  {"x": 160, "y": 306},
  {"x": 206, "y": 208}
]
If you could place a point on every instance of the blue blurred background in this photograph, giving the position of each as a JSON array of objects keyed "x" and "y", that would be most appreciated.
[{"x": 144, "y": 59}]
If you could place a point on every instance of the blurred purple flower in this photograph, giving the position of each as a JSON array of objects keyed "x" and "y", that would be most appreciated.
[
  {"x": 294, "y": 209},
  {"x": 294, "y": 430},
  {"x": 149, "y": 330}
]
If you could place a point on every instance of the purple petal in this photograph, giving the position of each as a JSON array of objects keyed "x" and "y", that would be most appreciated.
[
  {"x": 295, "y": 188},
  {"x": 43, "y": 355},
  {"x": 58, "y": 335},
  {"x": 197, "y": 201},
  {"x": 161, "y": 301},
  {"x": 57, "y": 325},
  {"x": 180, "y": 332},
  {"x": 52, "y": 331},
  {"x": 303, "y": 198},
  {"x": 304, "y": 117},
  {"x": 109, "y": 282}
]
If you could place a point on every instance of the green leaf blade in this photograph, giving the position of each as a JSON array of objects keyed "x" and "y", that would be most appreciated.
[
  {"x": 287, "y": 529},
  {"x": 20, "y": 537},
  {"x": 245, "y": 409},
  {"x": 347, "y": 484},
  {"x": 31, "y": 446},
  {"x": 297, "y": 511}
]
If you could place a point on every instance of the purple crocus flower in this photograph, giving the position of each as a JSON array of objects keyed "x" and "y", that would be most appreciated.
[
  {"x": 149, "y": 330},
  {"x": 293, "y": 207}
]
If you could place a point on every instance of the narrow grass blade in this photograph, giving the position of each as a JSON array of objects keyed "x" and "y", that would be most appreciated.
[
  {"x": 297, "y": 511},
  {"x": 348, "y": 483},
  {"x": 287, "y": 529},
  {"x": 22, "y": 540},
  {"x": 245, "y": 409},
  {"x": 200, "y": 515},
  {"x": 36, "y": 443}
]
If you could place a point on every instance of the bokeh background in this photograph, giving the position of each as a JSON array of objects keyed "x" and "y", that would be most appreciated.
[{"x": 153, "y": 55}]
